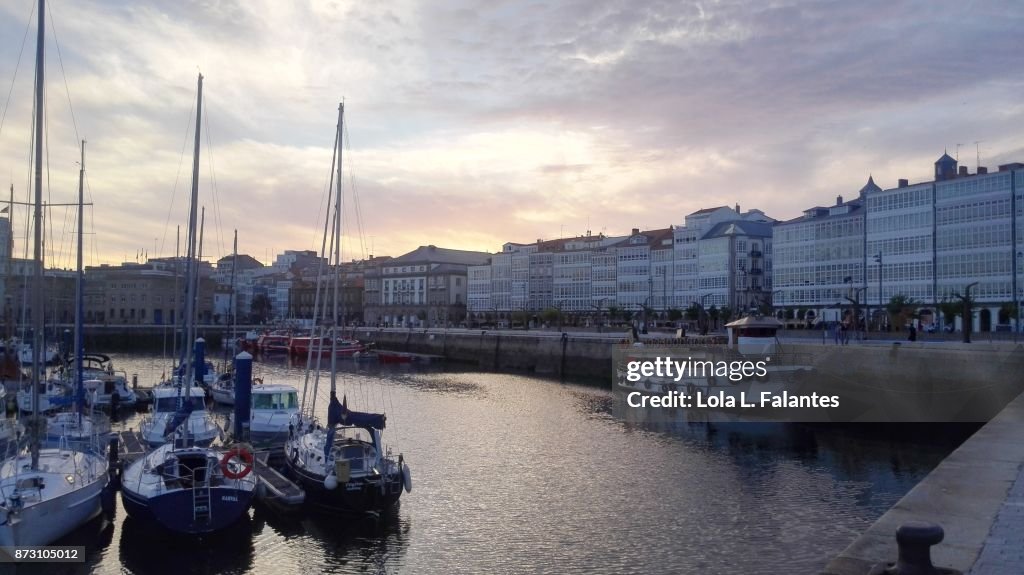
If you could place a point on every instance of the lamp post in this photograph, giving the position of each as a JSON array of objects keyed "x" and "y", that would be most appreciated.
[
  {"x": 783, "y": 293},
  {"x": 878, "y": 260},
  {"x": 1018, "y": 300},
  {"x": 745, "y": 290},
  {"x": 599, "y": 306},
  {"x": 704, "y": 312}
]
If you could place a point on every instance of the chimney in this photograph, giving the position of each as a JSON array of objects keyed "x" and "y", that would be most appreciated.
[
  {"x": 839, "y": 200},
  {"x": 738, "y": 209},
  {"x": 963, "y": 171},
  {"x": 904, "y": 182},
  {"x": 982, "y": 170},
  {"x": 636, "y": 231}
]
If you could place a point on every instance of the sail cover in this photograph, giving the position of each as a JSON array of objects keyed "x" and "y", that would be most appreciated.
[
  {"x": 339, "y": 413},
  {"x": 179, "y": 416}
]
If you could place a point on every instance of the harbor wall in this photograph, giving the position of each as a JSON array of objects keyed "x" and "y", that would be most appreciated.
[
  {"x": 562, "y": 355},
  {"x": 928, "y": 367}
]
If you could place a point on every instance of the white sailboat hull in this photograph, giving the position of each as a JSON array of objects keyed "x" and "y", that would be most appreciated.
[{"x": 51, "y": 516}]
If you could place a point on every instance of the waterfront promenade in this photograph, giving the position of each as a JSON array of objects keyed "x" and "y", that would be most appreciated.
[{"x": 976, "y": 495}]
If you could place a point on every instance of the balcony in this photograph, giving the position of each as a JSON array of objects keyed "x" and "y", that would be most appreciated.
[
  {"x": 756, "y": 271},
  {"x": 755, "y": 253}
]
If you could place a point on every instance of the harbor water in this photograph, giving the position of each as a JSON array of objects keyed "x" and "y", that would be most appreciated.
[{"x": 519, "y": 474}]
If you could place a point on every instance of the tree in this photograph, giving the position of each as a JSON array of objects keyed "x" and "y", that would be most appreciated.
[
  {"x": 260, "y": 307},
  {"x": 675, "y": 314},
  {"x": 550, "y": 315},
  {"x": 901, "y": 310},
  {"x": 613, "y": 312},
  {"x": 950, "y": 310},
  {"x": 726, "y": 314},
  {"x": 693, "y": 312},
  {"x": 713, "y": 313},
  {"x": 1007, "y": 312}
]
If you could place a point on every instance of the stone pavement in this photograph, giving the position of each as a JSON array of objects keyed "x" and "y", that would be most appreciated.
[
  {"x": 1003, "y": 553},
  {"x": 976, "y": 495}
]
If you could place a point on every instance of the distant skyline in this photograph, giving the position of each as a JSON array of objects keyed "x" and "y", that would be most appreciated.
[{"x": 473, "y": 123}]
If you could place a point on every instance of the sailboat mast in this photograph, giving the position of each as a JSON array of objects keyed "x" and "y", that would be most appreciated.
[
  {"x": 175, "y": 309},
  {"x": 231, "y": 300},
  {"x": 191, "y": 264},
  {"x": 337, "y": 249},
  {"x": 37, "y": 276},
  {"x": 79, "y": 387}
]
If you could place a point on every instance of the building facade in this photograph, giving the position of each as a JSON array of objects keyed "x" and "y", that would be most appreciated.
[
  {"x": 425, "y": 287},
  {"x": 924, "y": 242}
]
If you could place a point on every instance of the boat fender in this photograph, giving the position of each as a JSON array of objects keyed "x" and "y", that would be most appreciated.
[
  {"x": 295, "y": 455},
  {"x": 242, "y": 453},
  {"x": 257, "y": 381},
  {"x": 406, "y": 478},
  {"x": 331, "y": 482}
]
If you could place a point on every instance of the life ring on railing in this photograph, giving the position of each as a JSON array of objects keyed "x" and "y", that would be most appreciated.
[
  {"x": 257, "y": 381},
  {"x": 242, "y": 453}
]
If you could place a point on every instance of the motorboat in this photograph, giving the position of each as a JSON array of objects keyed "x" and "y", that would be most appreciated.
[{"x": 167, "y": 404}]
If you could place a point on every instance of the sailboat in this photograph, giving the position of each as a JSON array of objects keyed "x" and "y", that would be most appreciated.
[
  {"x": 184, "y": 487},
  {"x": 343, "y": 467},
  {"x": 76, "y": 427},
  {"x": 46, "y": 493}
]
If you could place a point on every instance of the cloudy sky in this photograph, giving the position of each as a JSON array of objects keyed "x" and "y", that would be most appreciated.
[{"x": 475, "y": 122}]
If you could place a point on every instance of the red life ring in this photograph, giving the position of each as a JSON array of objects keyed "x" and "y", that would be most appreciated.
[{"x": 246, "y": 457}]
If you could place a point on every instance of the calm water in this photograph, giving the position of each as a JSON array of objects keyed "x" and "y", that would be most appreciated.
[{"x": 514, "y": 474}]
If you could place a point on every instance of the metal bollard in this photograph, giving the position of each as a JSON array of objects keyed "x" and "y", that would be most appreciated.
[{"x": 915, "y": 539}]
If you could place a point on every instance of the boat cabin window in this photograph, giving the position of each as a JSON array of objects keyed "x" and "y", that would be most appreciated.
[{"x": 287, "y": 400}]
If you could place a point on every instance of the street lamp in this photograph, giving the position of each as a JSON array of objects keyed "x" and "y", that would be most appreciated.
[
  {"x": 1017, "y": 299},
  {"x": 779, "y": 291},
  {"x": 878, "y": 260},
  {"x": 599, "y": 306}
]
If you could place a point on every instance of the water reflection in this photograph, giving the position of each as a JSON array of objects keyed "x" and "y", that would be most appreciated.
[
  {"x": 519, "y": 474},
  {"x": 325, "y": 544},
  {"x": 145, "y": 548}
]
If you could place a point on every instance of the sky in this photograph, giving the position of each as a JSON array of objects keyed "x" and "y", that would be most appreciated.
[{"x": 471, "y": 123}]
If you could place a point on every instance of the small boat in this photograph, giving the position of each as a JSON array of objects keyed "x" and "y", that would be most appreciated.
[
  {"x": 83, "y": 432},
  {"x": 343, "y": 466},
  {"x": 273, "y": 408},
  {"x": 300, "y": 346},
  {"x": 53, "y": 394},
  {"x": 394, "y": 357},
  {"x": 166, "y": 409},
  {"x": 210, "y": 374},
  {"x": 223, "y": 390},
  {"x": 105, "y": 392},
  {"x": 189, "y": 489},
  {"x": 50, "y": 354},
  {"x": 274, "y": 342}
]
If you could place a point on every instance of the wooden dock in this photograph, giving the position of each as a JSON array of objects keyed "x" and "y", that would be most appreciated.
[
  {"x": 130, "y": 446},
  {"x": 275, "y": 490}
]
